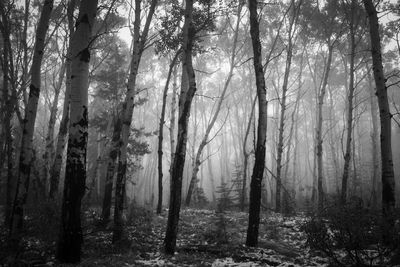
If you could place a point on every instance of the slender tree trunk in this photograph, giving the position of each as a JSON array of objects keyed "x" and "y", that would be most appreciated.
[
  {"x": 188, "y": 88},
  {"x": 9, "y": 105},
  {"x": 205, "y": 140},
  {"x": 70, "y": 236},
  {"x": 55, "y": 171},
  {"x": 111, "y": 164},
  {"x": 375, "y": 148},
  {"x": 351, "y": 88},
  {"x": 289, "y": 54},
  {"x": 172, "y": 115},
  {"x": 49, "y": 150},
  {"x": 25, "y": 158},
  {"x": 127, "y": 112},
  {"x": 103, "y": 148},
  {"x": 388, "y": 182},
  {"x": 258, "y": 170},
  {"x": 246, "y": 155},
  {"x": 319, "y": 139},
  {"x": 161, "y": 133}
]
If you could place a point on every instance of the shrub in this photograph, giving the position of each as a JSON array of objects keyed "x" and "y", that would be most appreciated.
[{"x": 351, "y": 235}]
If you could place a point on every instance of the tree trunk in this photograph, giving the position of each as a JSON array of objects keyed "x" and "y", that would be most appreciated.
[
  {"x": 55, "y": 171},
  {"x": 246, "y": 158},
  {"x": 25, "y": 158},
  {"x": 161, "y": 133},
  {"x": 7, "y": 111},
  {"x": 70, "y": 237},
  {"x": 188, "y": 88},
  {"x": 319, "y": 136},
  {"x": 127, "y": 112},
  {"x": 374, "y": 138},
  {"x": 351, "y": 88},
  {"x": 258, "y": 170},
  {"x": 388, "y": 182},
  {"x": 49, "y": 150},
  {"x": 205, "y": 141},
  {"x": 111, "y": 163},
  {"x": 282, "y": 115}
]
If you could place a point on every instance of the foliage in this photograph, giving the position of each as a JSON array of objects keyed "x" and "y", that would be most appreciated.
[
  {"x": 199, "y": 198},
  {"x": 351, "y": 235},
  {"x": 170, "y": 26}
]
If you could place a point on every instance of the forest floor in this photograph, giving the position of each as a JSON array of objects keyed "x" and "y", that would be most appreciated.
[{"x": 205, "y": 238}]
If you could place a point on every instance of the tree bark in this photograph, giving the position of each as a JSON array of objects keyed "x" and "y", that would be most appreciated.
[
  {"x": 49, "y": 150},
  {"x": 289, "y": 54},
  {"x": 374, "y": 138},
  {"x": 70, "y": 236},
  {"x": 127, "y": 113},
  {"x": 25, "y": 158},
  {"x": 55, "y": 170},
  {"x": 258, "y": 170},
  {"x": 351, "y": 88},
  {"x": 111, "y": 164},
  {"x": 188, "y": 88},
  {"x": 205, "y": 140},
  {"x": 319, "y": 139},
  {"x": 246, "y": 155},
  {"x": 161, "y": 133},
  {"x": 388, "y": 182}
]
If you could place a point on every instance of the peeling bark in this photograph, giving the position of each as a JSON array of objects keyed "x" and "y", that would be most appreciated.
[{"x": 70, "y": 236}]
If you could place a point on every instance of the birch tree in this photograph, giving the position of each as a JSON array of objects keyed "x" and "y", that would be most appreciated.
[
  {"x": 70, "y": 236},
  {"x": 25, "y": 158}
]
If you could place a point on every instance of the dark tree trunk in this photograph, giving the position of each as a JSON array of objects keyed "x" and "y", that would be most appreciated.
[
  {"x": 70, "y": 237},
  {"x": 127, "y": 113},
  {"x": 111, "y": 163},
  {"x": 55, "y": 170},
  {"x": 188, "y": 88},
  {"x": 258, "y": 170},
  {"x": 161, "y": 133},
  {"x": 388, "y": 182}
]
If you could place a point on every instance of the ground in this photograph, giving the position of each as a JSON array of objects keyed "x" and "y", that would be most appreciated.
[{"x": 206, "y": 238}]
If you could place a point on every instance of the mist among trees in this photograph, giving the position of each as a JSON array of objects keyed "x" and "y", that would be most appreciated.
[{"x": 199, "y": 133}]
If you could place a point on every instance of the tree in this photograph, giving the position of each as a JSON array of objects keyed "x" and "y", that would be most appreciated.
[
  {"x": 289, "y": 54},
  {"x": 139, "y": 41},
  {"x": 161, "y": 131},
  {"x": 351, "y": 89},
  {"x": 26, "y": 153},
  {"x": 205, "y": 141},
  {"x": 70, "y": 237},
  {"x": 55, "y": 170},
  {"x": 258, "y": 169},
  {"x": 188, "y": 88},
  {"x": 388, "y": 183}
]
